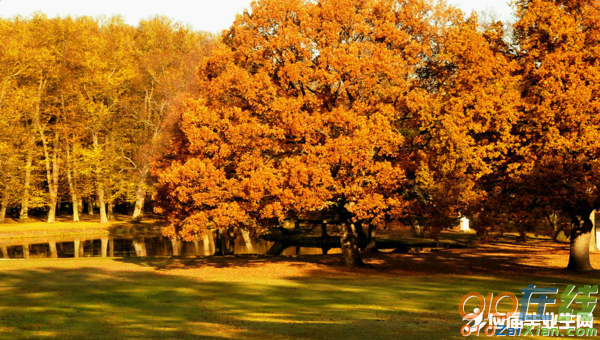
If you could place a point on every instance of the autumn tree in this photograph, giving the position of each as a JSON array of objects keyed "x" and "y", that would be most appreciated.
[
  {"x": 82, "y": 105},
  {"x": 307, "y": 109},
  {"x": 18, "y": 96},
  {"x": 558, "y": 49},
  {"x": 105, "y": 68},
  {"x": 166, "y": 55},
  {"x": 466, "y": 132},
  {"x": 9, "y": 116},
  {"x": 49, "y": 41}
]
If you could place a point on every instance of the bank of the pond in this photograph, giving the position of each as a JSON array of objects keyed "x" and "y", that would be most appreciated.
[
  {"x": 40, "y": 229},
  {"x": 66, "y": 227}
]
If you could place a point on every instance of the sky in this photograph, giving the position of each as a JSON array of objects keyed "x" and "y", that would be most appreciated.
[{"x": 204, "y": 15}]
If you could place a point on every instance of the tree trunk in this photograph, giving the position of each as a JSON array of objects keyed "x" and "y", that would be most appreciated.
[
  {"x": 196, "y": 248},
  {"x": 24, "y": 213},
  {"x": 3, "y": 205},
  {"x": 51, "y": 173},
  {"x": 553, "y": 220},
  {"x": 372, "y": 244},
  {"x": 72, "y": 189},
  {"x": 220, "y": 243},
  {"x": 363, "y": 239},
  {"x": 2, "y": 212},
  {"x": 417, "y": 231},
  {"x": 231, "y": 242},
  {"x": 176, "y": 247},
  {"x": 80, "y": 202},
  {"x": 111, "y": 213},
  {"x": 51, "y": 164},
  {"x": 75, "y": 208},
  {"x": 593, "y": 242},
  {"x": 579, "y": 258},
  {"x": 103, "y": 217},
  {"x": 247, "y": 240},
  {"x": 90, "y": 206},
  {"x": 140, "y": 198},
  {"x": 349, "y": 239},
  {"x": 53, "y": 186},
  {"x": 209, "y": 243}
]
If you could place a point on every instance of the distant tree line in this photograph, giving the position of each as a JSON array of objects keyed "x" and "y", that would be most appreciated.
[{"x": 85, "y": 104}]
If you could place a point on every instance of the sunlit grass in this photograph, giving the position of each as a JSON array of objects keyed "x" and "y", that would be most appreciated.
[{"x": 139, "y": 298}]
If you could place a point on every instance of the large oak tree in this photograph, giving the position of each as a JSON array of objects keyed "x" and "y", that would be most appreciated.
[
  {"x": 312, "y": 109},
  {"x": 556, "y": 161}
]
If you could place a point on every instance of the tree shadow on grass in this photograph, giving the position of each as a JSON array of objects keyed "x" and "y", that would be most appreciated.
[
  {"x": 231, "y": 261},
  {"x": 99, "y": 304},
  {"x": 507, "y": 260}
]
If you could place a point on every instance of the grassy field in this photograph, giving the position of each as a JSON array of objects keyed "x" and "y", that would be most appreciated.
[{"x": 399, "y": 296}]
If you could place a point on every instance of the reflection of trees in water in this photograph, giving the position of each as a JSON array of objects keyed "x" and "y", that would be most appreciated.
[{"x": 127, "y": 246}]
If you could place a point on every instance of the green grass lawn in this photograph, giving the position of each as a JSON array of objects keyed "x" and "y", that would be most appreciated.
[{"x": 399, "y": 297}]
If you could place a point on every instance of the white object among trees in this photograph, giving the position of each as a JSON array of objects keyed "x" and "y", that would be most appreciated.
[{"x": 464, "y": 225}]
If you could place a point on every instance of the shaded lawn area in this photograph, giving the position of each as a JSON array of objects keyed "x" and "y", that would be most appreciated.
[{"x": 402, "y": 296}]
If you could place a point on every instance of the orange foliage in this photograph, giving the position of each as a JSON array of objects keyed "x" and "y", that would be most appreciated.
[
  {"x": 370, "y": 110},
  {"x": 306, "y": 109},
  {"x": 556, "y": 162}
]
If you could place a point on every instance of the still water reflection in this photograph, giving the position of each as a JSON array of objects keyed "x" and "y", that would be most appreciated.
[{"x": 147, "y": 244}]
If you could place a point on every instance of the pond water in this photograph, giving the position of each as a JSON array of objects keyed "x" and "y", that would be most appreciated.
[{"x": 140, "y": 244}]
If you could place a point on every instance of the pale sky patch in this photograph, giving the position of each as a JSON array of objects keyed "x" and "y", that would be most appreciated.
[{"x": 205, "y": 15}]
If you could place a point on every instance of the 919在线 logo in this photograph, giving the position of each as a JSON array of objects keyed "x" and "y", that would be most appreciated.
[{"x": 523, "y": 319}]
